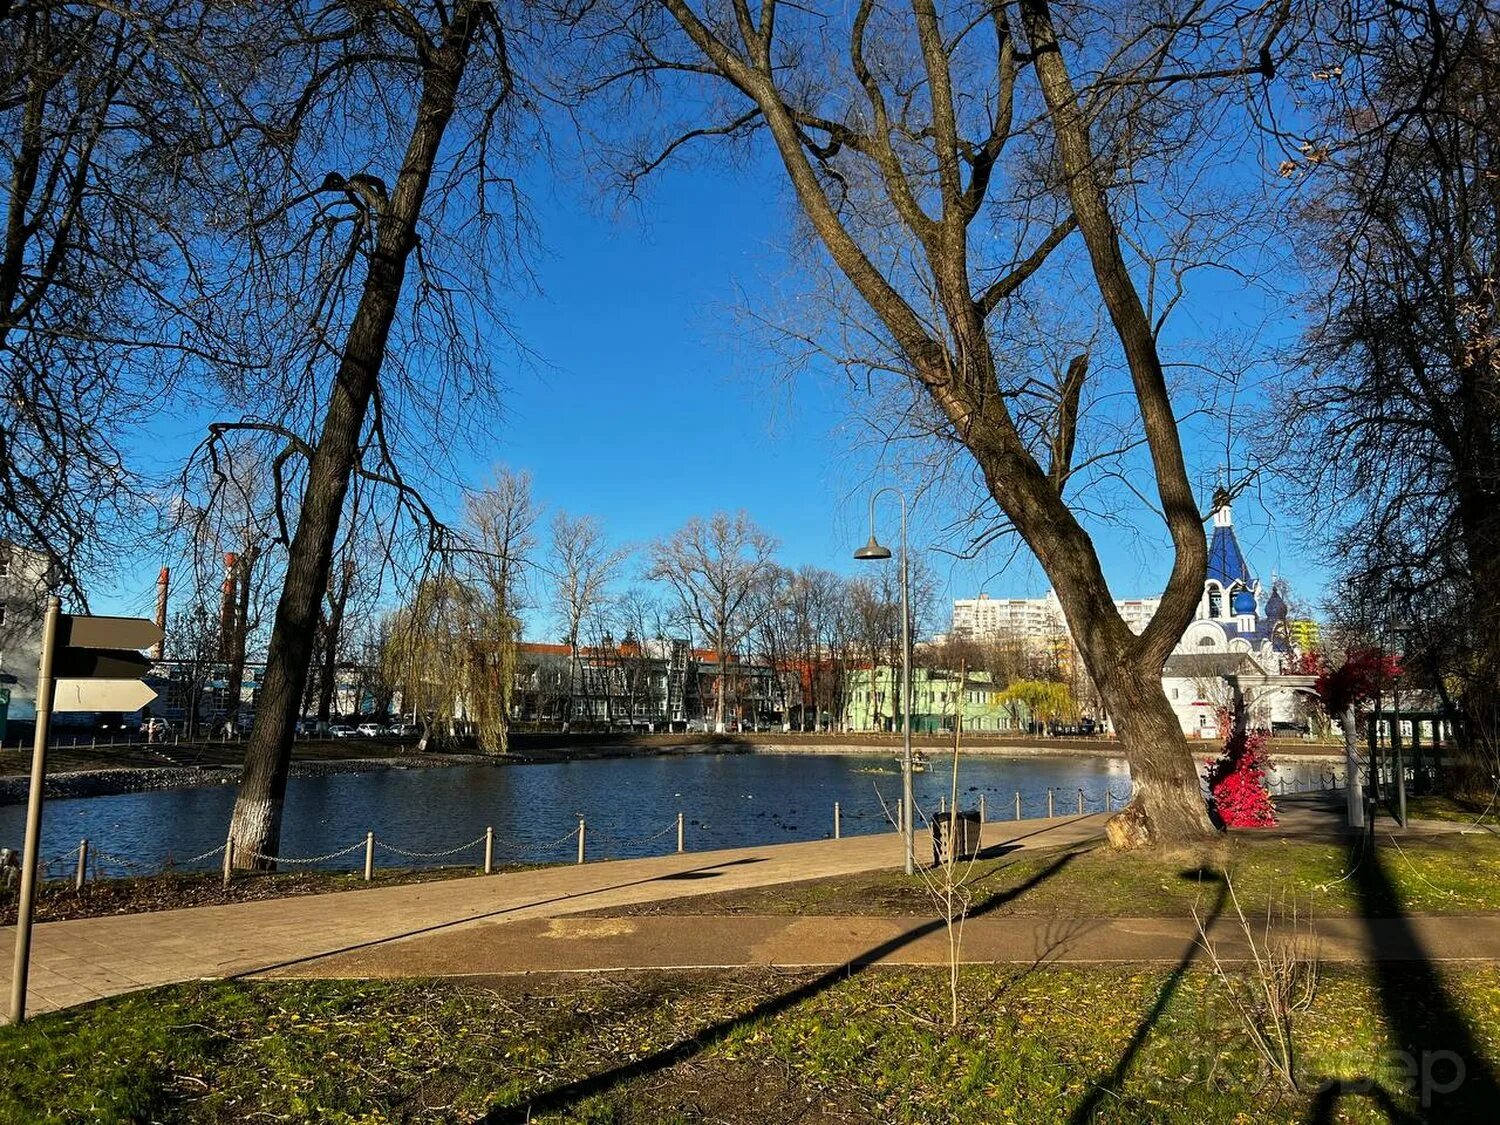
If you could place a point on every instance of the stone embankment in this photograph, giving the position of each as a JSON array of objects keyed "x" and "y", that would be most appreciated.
[{"x": 109, "y": 782}]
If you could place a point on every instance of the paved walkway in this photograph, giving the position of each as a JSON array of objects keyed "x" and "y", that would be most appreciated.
[
  {"x": 518, "y": 922},
  {"x": 595, "y": 944},
  {"x": 90, "y": 958}
]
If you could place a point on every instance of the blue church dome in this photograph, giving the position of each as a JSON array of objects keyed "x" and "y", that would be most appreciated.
[
  {"x": 1244, "y": 604},
  {"x": 1276, "y": 606}
]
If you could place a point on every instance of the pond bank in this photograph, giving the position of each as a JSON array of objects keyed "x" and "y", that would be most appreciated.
[{"x": 534, "y": 750}]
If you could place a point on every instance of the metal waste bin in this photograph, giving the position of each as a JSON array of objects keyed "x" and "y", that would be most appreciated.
[{"x": 965, "y": 840}]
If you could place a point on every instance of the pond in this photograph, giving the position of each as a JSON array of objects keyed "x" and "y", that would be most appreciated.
[{"x": 630, "y": 806}]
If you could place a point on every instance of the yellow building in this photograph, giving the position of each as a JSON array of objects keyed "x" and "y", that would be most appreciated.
[{"x": 1303, "y": 633}]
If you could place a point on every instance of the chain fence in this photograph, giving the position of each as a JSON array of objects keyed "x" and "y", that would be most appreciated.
[{"x": 87, "y": 862}]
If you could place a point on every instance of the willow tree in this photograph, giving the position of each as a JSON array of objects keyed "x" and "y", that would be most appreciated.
[
  {"x": 351, "y": 110},
  {"x": 944, "y": 159},
  {"x": 450, "y": 659}
]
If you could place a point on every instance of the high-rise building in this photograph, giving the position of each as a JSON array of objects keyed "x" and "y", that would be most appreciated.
[
  {"x": 1033, "y": 619},
  {"x": 1303, "y": 632}
]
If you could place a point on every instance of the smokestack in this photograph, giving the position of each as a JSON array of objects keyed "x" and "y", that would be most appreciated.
[
  {"x": 163, "y": 580},
  {"x": 226, "y": 606}
]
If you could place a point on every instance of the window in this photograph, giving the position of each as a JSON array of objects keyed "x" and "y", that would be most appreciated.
[
  {"x": 2, "y": 613},
  {"x": 1215, "y": 601},
  {"x": 1174, "y": 693},
  {"x": 4, "y": 565},
  {"x": 1206, "y": 642}
]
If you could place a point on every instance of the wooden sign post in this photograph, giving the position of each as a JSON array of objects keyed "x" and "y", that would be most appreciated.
[{"x": 85, "y": 666}]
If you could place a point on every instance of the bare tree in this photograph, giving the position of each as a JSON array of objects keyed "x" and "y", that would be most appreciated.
[
  {"x": 715, "y": 568},
  {"x": 583, "y": 566},
  {"x": 941, "y": 159},
  {"x": 1396, "y": 428},
  {"x": 407, "y": 71},
  {"x": 100, "y": 213},
  {"x": 499, "y": 521},
  {"x": 196, "y": 648}
]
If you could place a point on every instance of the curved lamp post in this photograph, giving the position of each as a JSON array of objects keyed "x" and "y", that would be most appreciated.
[{"x": 875, "y": 551}]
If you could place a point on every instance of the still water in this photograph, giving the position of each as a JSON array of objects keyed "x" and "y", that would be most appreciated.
[{"x": 630, "y": 805}]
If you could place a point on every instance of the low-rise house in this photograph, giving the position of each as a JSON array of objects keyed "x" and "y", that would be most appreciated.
[{"x": 937, "y": 699}]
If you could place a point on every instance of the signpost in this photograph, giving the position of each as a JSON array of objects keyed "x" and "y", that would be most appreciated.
[{"x": 86, "y": 665}]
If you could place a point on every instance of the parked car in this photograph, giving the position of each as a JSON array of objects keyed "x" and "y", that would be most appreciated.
[
  {"x": 338, "y": 730},
  {"x": 370, "y": 730},
  {"x": 405, "y": 730}
]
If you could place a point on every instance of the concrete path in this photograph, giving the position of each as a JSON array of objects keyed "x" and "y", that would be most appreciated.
[{"x": 90, "y": 958}]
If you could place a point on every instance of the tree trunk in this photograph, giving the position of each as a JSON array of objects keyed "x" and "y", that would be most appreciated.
[
  {"x": 255, "y": 826},
  {"x": 1168, "y": 805},
  {"x": 720, "y": 685},
  {"x": 239, "y": 639},
  {"x": 1354, "y": 781},
  {"x": 1479, "y": 521},
  {"x": 328, "y": 682}
]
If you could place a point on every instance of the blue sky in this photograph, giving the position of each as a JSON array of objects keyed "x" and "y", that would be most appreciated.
[{"x": 649, "y": 404}]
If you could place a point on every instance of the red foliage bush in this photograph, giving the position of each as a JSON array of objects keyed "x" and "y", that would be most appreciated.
[
  {"x": 1364, "y": 674},
  {"x": 1239, "y": 794}
]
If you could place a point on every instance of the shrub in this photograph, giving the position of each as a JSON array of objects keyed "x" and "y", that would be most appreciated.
[{"x": 1239, "y": 796}]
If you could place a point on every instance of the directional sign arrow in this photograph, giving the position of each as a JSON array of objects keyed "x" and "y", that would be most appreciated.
[
  {"x": 101, "y": 695},
  {"x": 107, "y": 632},
  {"x": 100, "y": 664}
]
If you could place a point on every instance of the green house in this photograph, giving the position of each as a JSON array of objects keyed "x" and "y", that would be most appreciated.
[{"x": 937, "y": 698}]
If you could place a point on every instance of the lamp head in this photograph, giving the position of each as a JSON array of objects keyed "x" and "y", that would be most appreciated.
[{"x": 872, "y": 550}]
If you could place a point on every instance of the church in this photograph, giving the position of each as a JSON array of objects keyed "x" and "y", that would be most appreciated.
[{"x": 1240, "y": 635}]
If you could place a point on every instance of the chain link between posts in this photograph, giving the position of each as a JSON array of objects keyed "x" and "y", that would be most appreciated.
[
  {"x": 379, "y": 843},
  {"x": 305, "y": 860},
  {"x": 630, "y": 841}
]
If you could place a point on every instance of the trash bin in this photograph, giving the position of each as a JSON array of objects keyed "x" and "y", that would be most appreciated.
[{"x": 965, "y": 840}]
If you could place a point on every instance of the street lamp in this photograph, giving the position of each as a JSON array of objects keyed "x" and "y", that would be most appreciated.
[{"x": 875, "y": 551}]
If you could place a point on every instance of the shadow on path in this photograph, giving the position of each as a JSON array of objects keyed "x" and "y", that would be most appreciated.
[
  {"x": 1109, "y": 1085},
  {"x": 707, "y": 871},
  {"x": 1436, "y": 1055},
  {"x": 559, "y": 1098}
]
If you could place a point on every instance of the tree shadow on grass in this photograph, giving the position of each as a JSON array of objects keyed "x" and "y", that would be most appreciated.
[
  {"x": 1109, "y": 1085},
  {"x": 561, "y": 1097},
  {"x": 1435, "y": 1053}
]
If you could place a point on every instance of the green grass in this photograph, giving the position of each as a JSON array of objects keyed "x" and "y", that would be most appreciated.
[
  {"x": 743, "y": 1047},
  {"x": 1481, "y": 811},
  {"x": 1453, "y": 874}
]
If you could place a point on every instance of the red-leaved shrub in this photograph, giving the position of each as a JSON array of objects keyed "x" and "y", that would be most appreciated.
[{"x": 1239, "y": 794}]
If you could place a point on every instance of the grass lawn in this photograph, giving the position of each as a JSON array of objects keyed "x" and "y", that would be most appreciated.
[
  {"x": 1454, "y": 874},
  {"x": 757, "y": 1047},
  {"x": 1480, "y": 811}
]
